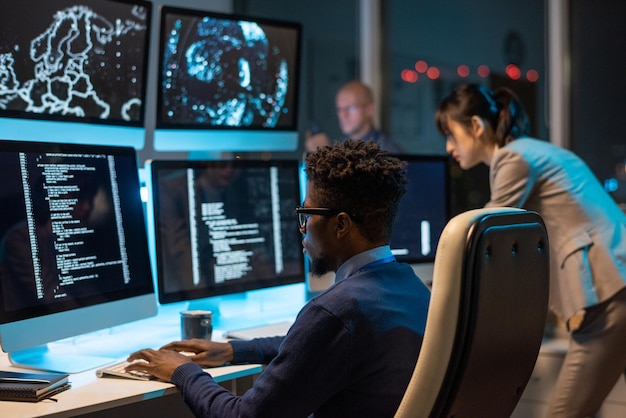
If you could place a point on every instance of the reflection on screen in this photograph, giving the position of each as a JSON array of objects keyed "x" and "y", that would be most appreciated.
[
  {"x": 223, "y": 71},
  {"x": 73, "y": 249},
  {"x": 79, "y": 62},
  {"x": 67, "y": 236},
  {"x": 225, "y": 226},
  {"x": 423, "y": 210}
]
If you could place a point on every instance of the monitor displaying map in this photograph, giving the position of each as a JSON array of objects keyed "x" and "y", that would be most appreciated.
[{"x": 80, "y": 61}]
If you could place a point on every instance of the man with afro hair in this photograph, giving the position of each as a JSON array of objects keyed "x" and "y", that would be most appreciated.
[{"x": 352, "y": 349}]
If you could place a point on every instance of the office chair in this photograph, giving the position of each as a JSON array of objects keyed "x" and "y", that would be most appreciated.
[{"x": 486, "y": 317}]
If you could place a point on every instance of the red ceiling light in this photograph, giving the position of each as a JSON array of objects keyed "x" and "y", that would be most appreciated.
[
  {"x": 421, "y": 66},
  {"x": 409, "y": 76},
  {"x": 432, "y": 73},
  {"x": 513, "y": 71},
  {"x": 463, "y": 70},
  {"x": 483, "y": 71},
  {"x": 532, "y": 75}
]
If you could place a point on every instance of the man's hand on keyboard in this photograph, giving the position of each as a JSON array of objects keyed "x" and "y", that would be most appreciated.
[
  {"x": 159, "y": 363},
  {"x": 203, "y": 352}
]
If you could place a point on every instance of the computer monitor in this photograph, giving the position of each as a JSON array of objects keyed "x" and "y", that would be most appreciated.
[
  {"x": 226, "y": 82},
  {"x": 73, "y": 249},
  {"x": 224, "y": 228},
  {"x": 83, "y": 64},
  {"x": 424, "y": 210},
  {"x": 422, "y": 215}
]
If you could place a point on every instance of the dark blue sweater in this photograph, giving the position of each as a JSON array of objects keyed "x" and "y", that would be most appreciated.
[{"x": 350, "y": 353}]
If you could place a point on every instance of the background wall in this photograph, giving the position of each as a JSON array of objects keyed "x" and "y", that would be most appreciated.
[
  {"x": 449, "y": 33},
  {"x": 598, "y": 87}
]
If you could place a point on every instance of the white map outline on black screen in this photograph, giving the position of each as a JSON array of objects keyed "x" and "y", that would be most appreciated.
[{"x": 74, "y": 62}]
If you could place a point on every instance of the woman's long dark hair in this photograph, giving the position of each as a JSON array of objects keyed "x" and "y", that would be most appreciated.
[{"x": 501, "y": 109}]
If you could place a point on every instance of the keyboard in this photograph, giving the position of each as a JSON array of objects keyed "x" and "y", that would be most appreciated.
[
  {"x": 118, "y": 370},
  {"x": 276, "y": 329}
]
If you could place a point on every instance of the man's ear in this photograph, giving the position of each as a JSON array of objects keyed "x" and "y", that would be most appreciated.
[
  {"x": 478, "y": 126},
  {"x": 344, "y": 224}
]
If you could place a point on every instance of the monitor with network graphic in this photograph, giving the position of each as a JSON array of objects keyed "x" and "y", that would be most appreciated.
[
  {"x": 227, "y": 82},
  {"x": 222, "y": 70}
]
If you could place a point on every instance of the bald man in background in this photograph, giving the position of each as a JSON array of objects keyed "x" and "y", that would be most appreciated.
[{"x": 355, "y": 113}]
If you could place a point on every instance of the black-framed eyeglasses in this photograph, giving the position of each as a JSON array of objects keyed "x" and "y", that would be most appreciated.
[{"x": 303, "y": 214}]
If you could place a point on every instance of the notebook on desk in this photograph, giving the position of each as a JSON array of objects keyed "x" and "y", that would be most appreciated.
[{"x": 31, "y": 387}]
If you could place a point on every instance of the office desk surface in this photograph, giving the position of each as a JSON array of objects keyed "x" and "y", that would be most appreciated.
[{"x": 90, "y": 393}]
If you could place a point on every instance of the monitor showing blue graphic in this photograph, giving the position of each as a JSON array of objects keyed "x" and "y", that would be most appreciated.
[
  {"x": 73, "y": 247},
  {"x": 221, "y": 70},
  {"x": 424, "y": 210},
  {"x": 74, "y": 61}
]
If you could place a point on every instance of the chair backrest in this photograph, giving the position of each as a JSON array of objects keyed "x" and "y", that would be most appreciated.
[{"x": 486, "y": 317}]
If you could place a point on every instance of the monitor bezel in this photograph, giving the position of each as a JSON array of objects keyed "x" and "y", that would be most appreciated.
[
  {"x": 153, "y": 167},
  {"x": 294, "y": 77},
  {"x": 138, "y": 123}
]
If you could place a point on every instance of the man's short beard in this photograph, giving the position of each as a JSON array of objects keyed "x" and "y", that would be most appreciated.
[{"x": 319, "y": 267}]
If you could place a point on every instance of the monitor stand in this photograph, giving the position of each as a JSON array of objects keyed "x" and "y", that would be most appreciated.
[{"x": 41, "y": 358}]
